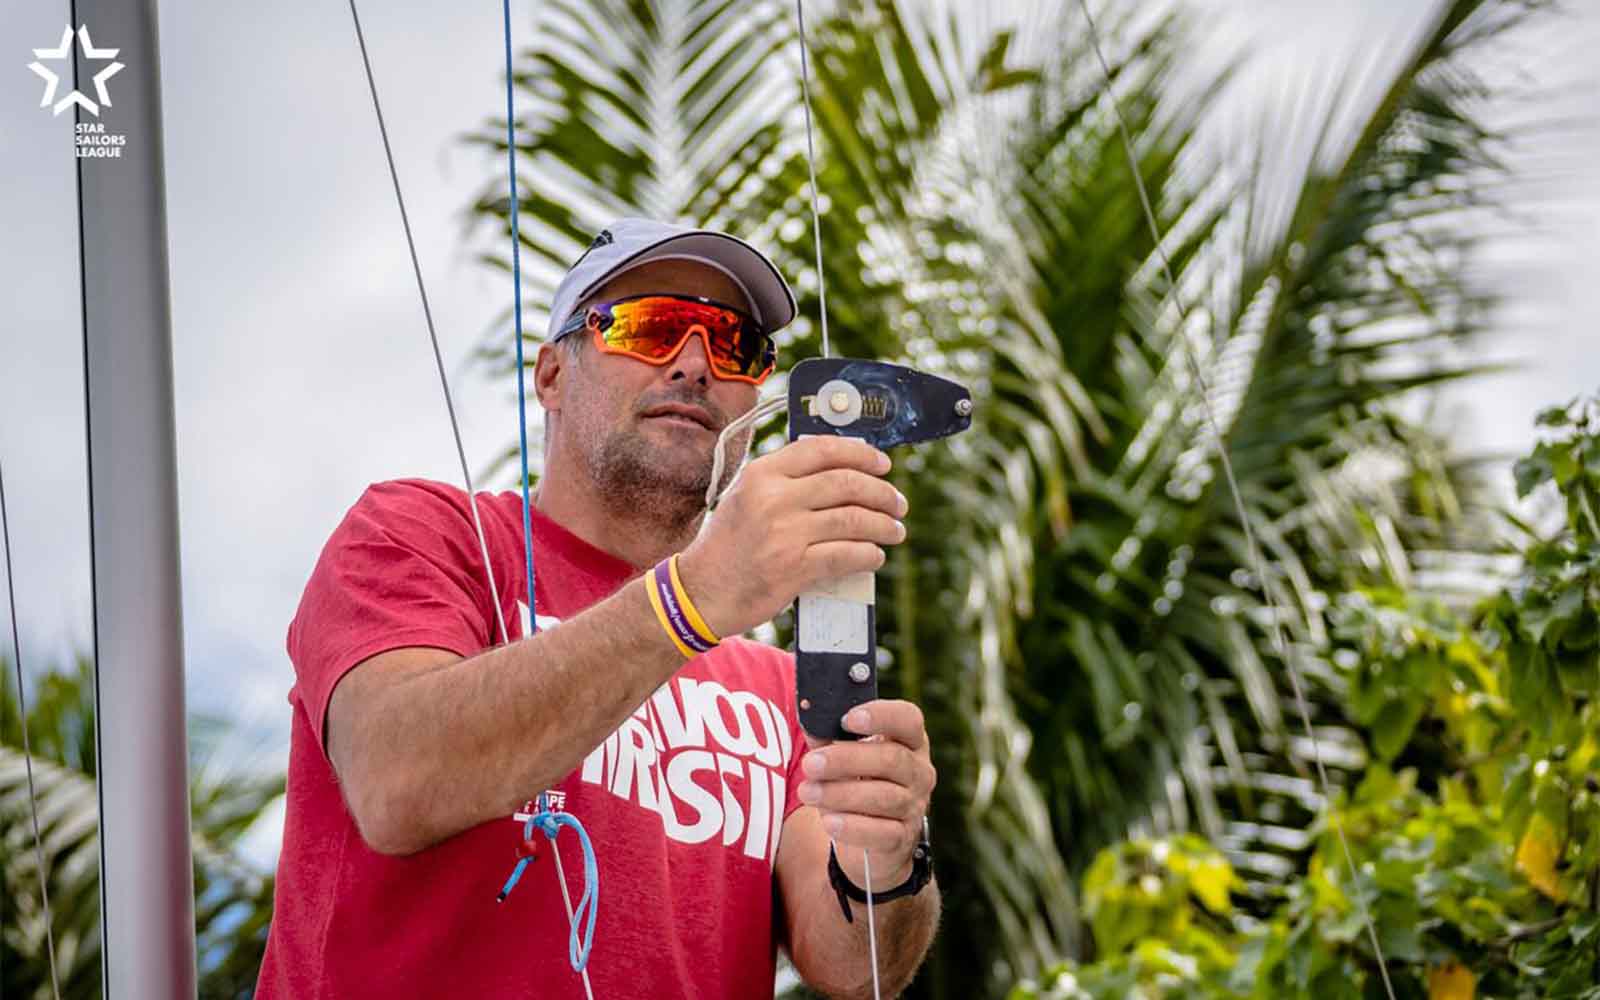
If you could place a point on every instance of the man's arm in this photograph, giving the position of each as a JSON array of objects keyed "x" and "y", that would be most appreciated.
[
  {"x": 869, "y": 795},
  {"x": 427, "y": 745}
]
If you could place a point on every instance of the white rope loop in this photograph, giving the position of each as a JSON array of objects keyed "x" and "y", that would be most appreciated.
[
  {"x": 1280, "y": 642},
  {"x": 719, "y": 458}
]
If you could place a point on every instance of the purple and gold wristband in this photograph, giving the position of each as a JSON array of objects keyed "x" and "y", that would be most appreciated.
[{"x": 678, "y": 616}]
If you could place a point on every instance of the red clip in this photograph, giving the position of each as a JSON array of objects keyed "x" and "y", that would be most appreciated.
[{"x": 528, "y": 848}]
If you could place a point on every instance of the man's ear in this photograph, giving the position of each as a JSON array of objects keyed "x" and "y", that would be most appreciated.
[{"x": 549, "y": 369}]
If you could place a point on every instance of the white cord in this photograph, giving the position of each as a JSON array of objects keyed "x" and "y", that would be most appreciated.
[
  {"x": 566, "y": 897},
  {"x": 872, "y": 927},
  {"x": 822, "y": 297},
  {"x": 719, "y": 461}
]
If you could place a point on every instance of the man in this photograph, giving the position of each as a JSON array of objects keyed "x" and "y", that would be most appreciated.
[{"x": 418, "y": 731}]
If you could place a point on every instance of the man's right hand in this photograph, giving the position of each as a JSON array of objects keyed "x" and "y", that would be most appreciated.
[{"x": 813, "y": 510}]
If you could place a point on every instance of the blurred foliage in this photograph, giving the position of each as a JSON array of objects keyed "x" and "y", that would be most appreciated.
[
  {"x": 1479, "y": 861},
  {"x": 1075, "y": 607},
  {"x": 233, "y": 901}
]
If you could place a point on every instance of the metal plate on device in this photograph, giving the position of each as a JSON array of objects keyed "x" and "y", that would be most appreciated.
[
  {"x": 899, "y": 405},
  {"x": 836, "y": 624}
]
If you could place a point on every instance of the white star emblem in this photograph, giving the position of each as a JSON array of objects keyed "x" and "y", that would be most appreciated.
[{"x": 64, "y": 52}]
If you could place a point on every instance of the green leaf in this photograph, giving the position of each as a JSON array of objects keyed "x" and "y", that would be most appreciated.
[
  {"x": 1392, "y": 728},
  {"x": 1549, "y": 620},
  {"x": 1531, "y": 473},
  {"x": 1564, "y": 463},
  {"x": 1555, "y": 416}
]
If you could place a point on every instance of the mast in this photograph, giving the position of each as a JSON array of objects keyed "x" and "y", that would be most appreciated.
[{"x": 146, "y": 879}]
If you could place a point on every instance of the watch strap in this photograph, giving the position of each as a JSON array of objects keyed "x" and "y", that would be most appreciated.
[{"x": 846, "y": 890}]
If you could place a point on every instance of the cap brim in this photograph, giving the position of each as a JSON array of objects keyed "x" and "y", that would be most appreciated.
[{"x": 769, "y": 293}]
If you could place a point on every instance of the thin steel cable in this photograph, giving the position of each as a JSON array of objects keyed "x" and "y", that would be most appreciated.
[
  {"x": 811, "y": 163},
  {"x": 427, "y": 313},
  {"x": 455, "y": 426},
  {"x": 822, "y": 301},
  {"x": 27, "y": 749},
  {"x": 1252, "y": 546}
]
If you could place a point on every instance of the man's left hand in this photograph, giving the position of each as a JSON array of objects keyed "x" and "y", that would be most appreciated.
[{"x": 873, "y": 793}]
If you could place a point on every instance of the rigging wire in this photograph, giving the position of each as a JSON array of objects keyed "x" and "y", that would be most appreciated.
[
  {"x": 822, "y": 301},
  {"x": 455, "y": 427},
  {"x": 1252, "y": 545},
  {"x": 516, "y": 313},
  {"x": 578, "y": 946},
  {"x": 811, "y": 164},
  {"x": 27, "y": 749},
  {"x": 427, "y": 313}
]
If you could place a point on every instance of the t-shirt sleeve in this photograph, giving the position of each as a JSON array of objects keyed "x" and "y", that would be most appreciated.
[{"x": 402, "y": 569}]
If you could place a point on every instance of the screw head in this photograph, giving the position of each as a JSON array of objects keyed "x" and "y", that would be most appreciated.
[
  {"x": 963, "y": 407},
  {"x": 860, "y": 672}
]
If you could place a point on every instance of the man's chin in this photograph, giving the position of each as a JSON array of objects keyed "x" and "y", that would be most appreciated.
[{"x": 667, "y": 465}]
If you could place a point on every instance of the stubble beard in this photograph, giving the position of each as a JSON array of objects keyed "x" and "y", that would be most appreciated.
[{"x": 636, "y": 477}]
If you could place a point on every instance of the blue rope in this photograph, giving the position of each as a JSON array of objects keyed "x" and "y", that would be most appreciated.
[
  {"x": 543, "y": 819},
  {"x": 516, "y": 292},
  {"x": 551, "y": 823}
]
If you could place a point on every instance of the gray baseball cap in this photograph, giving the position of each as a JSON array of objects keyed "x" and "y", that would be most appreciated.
[{"x": 628, "y": 243}]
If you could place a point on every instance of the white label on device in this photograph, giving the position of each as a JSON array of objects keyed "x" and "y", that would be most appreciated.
[{"x": 829, "y": 625}]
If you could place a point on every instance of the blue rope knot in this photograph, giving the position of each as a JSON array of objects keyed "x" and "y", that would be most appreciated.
[
  {"x": 543, "y": 818},
  {"x": 550, "y": 824}
]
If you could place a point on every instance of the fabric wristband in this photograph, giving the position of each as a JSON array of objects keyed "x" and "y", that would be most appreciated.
[{"x": 678, "y": 616}]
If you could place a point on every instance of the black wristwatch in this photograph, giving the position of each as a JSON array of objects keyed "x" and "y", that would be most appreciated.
[{"x": 921, "y": 875}]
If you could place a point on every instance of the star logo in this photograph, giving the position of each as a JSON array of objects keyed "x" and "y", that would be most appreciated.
[{"x": 52, "y": 81}]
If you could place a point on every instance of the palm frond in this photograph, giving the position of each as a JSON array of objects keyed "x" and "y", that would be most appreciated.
[
  {"x": 657, "y": 108},
  {"x": 1075, "y": 608},
  {"x": 233, "y": 901}
]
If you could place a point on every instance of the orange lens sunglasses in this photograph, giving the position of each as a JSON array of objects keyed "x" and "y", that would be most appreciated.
[{"x": 654, "y": 328}]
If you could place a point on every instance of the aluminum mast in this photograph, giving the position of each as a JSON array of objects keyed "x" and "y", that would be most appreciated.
[{"x": 146, "y": 879}]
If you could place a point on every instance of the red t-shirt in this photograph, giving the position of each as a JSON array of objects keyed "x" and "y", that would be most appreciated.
[{"x": 684, "y": 802}]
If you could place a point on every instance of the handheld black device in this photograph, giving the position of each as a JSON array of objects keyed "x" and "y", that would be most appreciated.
[{"x": 835, "y": 624}]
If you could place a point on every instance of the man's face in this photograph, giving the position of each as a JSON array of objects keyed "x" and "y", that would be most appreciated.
[{"x": 646, "y": 432}]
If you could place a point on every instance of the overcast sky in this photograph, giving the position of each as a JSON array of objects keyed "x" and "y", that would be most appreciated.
[{"x": 301, "y": 361}]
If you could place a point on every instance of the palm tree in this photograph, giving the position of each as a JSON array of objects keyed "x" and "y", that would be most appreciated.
[
  {"x": 1075, "y": 609},
  {"x": 233, "y": 901}
]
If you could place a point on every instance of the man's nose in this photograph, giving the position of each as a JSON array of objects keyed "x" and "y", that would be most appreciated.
[{"x": 692, "y": 362}]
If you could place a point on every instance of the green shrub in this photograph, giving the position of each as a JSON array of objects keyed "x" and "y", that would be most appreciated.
[{"x": 1474, "y": 832}]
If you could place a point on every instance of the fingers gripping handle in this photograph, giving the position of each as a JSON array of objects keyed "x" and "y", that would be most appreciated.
[{"x": 836, "y": 633}]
